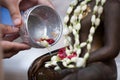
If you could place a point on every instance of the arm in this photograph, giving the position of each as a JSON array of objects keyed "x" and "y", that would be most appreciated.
[{"x": 112, "y": 28}]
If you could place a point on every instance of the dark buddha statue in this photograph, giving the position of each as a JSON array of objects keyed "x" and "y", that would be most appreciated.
[{"x": 105, "y": 47}]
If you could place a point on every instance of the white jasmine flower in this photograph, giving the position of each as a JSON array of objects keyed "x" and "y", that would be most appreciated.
[
  {"x": 74, "y": 32},
  {"x": 80, "y": 16},
  {"x": 69, "y": 10},
  {"x": 66, "y": 31},
  {"x": 74, "y": 2},
  {"x": 64, "y": 63},
  {"x": 70, "y": 28},
  {"x": 97, "y": 22},
  {"x": 86, "y": 56},
  {"x": 90, "y": 38},
  {"x": 93, "y": 18},
  {"x": 54, "y": 62},
  {"x": 83, "y": 3},
  {"x": 75, "y": 48},
  {"x": 80, "y": 62},
  {"x": 100, "y": 10},
  {"x": 103, "y": 2},
  {"x": 66, "y": 42},
  {"x": 68, "y": 61},
  {"x": 95, "y": 8},
  {"x": 77, "y": 26},
  {"x": 77, "y": 10},
  {"x": 77, "y": 36},
  {"x": 57, "y": 68},
  {"x": 78, "y": 51},
  {"x": 88, "y": 46},
  {"x": 73, "y": 19},
  {"x": 74, "y": 59},
  {"x": 71, "y": 47},
  {"x": 97, "y": 1},
  {"x": 54, "y": 58},
  {"x": 44, "y": 43},
  {"x": 83, "y": 44},
  {"x": 84, "y": 7},
  {"x": 68, "y": 39},
  {"x": 92, "y": 30},
  {"x": 68, "y": 51},
  {"x": 70, "y": 66},
  {"x": 77, "y": 41},
  {"x": 66, "y": 19},
  {"x": 47, "y": 65}
]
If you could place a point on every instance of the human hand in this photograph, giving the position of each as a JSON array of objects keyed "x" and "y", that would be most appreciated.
[
  {"x": 8, "y": 34},
  {"x": 15, "y": 6}
]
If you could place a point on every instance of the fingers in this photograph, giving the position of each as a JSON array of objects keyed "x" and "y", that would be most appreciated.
[
  {"x": 13, "y": 46},
  {"x": 5, "y": 29},
  {"x": 11, "y": 37},
  {"x": 13, "y": 7},
  {"x": 9, "y": 33}
]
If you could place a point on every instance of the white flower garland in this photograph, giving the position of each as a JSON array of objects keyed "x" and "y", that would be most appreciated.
[{"x": 74, "y": 28}]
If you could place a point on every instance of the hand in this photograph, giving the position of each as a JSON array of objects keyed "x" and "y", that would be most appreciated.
[
  {"x": 8, "y": 34},
  {"x": 15, "y": 6}
]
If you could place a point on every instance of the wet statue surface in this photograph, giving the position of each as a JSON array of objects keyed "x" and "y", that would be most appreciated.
[{"x": 105, "y": 47}]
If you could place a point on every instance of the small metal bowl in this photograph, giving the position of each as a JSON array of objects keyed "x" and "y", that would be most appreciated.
[{"x": 40, "y": 21}]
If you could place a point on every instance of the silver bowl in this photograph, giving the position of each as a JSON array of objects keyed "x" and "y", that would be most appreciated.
[{"x": 40, "y": 21}]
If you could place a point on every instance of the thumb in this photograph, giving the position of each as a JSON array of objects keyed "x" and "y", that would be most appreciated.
[{"x": 15, "y": 14}]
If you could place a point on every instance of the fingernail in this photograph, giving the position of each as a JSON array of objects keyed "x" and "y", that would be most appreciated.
[{"x": 17, "y": 21}]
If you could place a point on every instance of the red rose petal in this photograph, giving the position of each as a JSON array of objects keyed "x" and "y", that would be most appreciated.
[
  {"x": 72, "y": 55},
  {"x": 50, "y": 41},
  {"x": 62, "y": 53}
]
